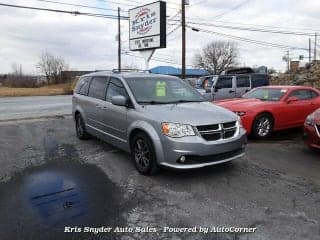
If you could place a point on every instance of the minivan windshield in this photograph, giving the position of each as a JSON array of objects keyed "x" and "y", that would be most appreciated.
[
  {"x": 266, "y": 94},
  {"x": 162, "y": 90}
]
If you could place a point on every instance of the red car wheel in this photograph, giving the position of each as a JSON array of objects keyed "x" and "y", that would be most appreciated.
[{"x": 262, "y": 126}]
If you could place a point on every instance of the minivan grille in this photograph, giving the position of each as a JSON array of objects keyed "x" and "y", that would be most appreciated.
[{"x": 218, "y": 131}]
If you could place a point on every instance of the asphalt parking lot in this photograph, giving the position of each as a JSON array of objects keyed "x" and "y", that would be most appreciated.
[
  {"x": 12, "y": 108},
  {"x": 49, "y": 179}
]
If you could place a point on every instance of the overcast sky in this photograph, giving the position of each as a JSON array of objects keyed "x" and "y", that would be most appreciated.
[{"x": 88, "y": 43}]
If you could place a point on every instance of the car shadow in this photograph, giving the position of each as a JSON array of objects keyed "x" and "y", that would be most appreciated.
[{"x": 293, "y": 134}]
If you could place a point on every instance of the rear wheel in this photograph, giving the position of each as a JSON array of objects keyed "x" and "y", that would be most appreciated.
[
  {"x": 143, "y": 154},
  {"x": 81, "y": 127},
  {"x": 262, "y": 126}
]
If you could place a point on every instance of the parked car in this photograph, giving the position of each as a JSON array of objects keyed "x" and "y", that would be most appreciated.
[
  {"x": 160, "y": 119},
  {"x": 234, "y": 86},
  {"x": 204, "y": 85},
  {"x": 312, "y": 130},
  {"x": 267, "y": 109}
]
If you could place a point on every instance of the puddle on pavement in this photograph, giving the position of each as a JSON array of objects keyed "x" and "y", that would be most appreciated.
[
  {"x": 45, "y": 199},
  {"x": 56, "y": 196}
]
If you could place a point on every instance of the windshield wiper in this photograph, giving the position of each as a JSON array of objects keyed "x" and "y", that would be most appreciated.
[
  {"x": 169, "y": 102},
  {"x": 153, "y": 102},
  {"x": 186, "y": 101}
]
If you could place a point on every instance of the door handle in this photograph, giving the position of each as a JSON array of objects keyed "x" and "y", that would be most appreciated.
[{"x": 231, "y": 91}]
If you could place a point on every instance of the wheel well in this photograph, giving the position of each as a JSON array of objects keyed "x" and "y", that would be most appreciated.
[
  {"x": 135, "y": 132},
  {"x": 138, "y": 130},
  {"x": 268, "y": 113},
  {"x": 76, "y": 113}
]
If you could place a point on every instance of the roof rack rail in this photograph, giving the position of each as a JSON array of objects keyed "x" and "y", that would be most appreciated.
[
  {"x": 103, "y": 70},
  {"x": 130, "y": 70}
]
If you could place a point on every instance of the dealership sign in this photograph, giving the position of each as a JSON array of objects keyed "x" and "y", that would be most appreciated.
[{"x": 148, "y": 26}]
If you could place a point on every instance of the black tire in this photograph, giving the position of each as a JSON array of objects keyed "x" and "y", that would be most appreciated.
[
  {"x": 262, "y": 126},
  {"x": 81, "y": 127},
  {"x": 143, "y": 154}
]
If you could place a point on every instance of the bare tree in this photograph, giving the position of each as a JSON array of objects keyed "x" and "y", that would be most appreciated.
[
  {"x": 18, "y": 79},
  {"x": 52, "y": 67},
  {"x": 217, "y": 57}
]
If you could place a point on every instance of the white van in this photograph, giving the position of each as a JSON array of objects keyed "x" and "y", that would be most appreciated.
[{"x": 234, "y": 86}]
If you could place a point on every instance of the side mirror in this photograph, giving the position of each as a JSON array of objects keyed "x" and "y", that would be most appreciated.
[
  {"x": 292, "y": 99},
  {"x": 119, "y": 101}
]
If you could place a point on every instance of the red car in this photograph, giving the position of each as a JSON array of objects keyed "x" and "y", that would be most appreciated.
[
  {"x": 312, "y": 130},
  {"x": 267, "y": 109}
]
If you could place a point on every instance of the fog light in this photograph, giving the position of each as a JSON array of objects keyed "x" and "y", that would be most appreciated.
[{"x": 182, "y": 159}]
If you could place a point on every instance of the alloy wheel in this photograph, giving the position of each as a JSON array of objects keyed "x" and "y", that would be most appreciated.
[
  {"x": 142, "y": 154},
  {"x": 263, "y": 126}
]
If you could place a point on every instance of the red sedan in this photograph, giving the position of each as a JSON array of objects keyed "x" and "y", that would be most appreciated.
[
  {"x": 267, "y": 109},
  {"x": 312, "y": 130}
]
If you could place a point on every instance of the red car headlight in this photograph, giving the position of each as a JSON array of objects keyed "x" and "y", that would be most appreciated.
[
  {"x": 240, "y": 113},
  {"x": 310, "y": 120}
]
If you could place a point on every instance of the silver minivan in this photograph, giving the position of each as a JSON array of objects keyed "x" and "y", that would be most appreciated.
[{"x": 160, "y": 120}]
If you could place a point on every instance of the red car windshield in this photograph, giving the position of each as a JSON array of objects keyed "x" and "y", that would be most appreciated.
[{"x": 266, "y": 94}]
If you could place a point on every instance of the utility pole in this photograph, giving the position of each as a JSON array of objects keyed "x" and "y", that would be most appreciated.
[
  {"x": 309, "y": 50},
  {"x": 315, "y": 46},
  {"x": 119, "y": 41},
  {"x": 183, "y": 25}
]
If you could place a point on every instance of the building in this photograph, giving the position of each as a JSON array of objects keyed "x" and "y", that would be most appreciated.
[{"x": 172, "y": 71}]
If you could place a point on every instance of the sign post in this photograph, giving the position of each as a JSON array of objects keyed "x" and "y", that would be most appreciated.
[{"x": 147, "y": 29}]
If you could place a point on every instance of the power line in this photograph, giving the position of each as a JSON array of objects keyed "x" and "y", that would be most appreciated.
[
  {"x": 63, "y": 11},
  {"x": 250, "y": 29},
  {"x": 154, "y": 58},
  {"x": 257, "y": 25},
  {"x": 131, "y": 4},
  {"x": 174, "y": 29},
  {"x": 232, "y": 9},
  {"x": 249, "y": 40},
  {"x": 78, "y": 5},
  {"x": 165, "y": 60}
]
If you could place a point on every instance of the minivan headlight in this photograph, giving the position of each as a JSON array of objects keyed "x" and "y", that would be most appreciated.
[{"x": 177, "y": 130}]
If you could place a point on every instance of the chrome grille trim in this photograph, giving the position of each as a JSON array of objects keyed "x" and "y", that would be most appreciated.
[{"x": 225, "y": 130}]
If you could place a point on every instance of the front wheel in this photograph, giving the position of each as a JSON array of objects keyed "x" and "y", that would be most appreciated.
[
  {"x": 143, "y": 154},
  {"x": 262, "y": 126},
  {"x": 81, "y": 127}
]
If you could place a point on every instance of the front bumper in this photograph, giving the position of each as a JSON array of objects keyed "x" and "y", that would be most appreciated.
[
  {"x": 200, "y": 153},
  {"x": 311, "y": 136}
]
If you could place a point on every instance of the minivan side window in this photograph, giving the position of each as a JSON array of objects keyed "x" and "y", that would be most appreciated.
[
  {"x": 98, "y": 88},
  {"x": 224, "y": 82},
  {"x": 115, "y": 88},
  {"x": 243, "y": 81},
  {"x": 83, "y": 86}
]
